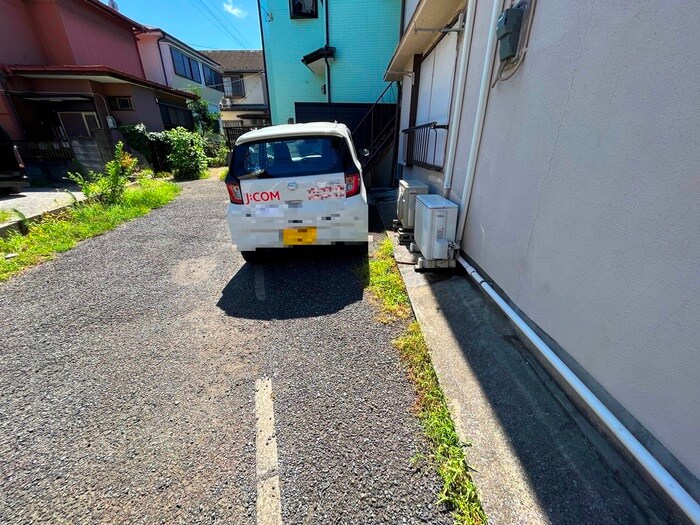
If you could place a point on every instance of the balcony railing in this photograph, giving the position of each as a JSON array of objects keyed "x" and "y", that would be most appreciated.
[
  {"x": 232, "y": 133},
  {"x": 424, "y": 145}
]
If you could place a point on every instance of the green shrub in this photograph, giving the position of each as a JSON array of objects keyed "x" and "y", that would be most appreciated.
[
  {"x": 136, "y": 137},
  {"x": 220, "y": 159},
  {"x": 151, "y": 144},
  {"x": 186, "y": 158},
  {"x": 163, "y": 175},
  {"x": 146, "y": 173},
  {"x": 109, "y": 186}
]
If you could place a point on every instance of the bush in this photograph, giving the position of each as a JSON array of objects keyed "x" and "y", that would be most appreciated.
[
  {"x": 152, "y": 145},
  {"x": 146, "y": 173},
  {"x": 109, "y": 186},
  {"x": 219, "y": 160},
  {"x": 163, "y": 175},
  {"x": 136, "y": 137},
  {"x": 177, "y": 150},
  {"x": 186, "y": 158}
]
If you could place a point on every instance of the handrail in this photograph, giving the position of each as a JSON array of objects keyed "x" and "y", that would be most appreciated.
[
  {"x": 421, "y": 145},
  {"x": 369, "y": 111},
  {"x": 431, "y": 125}
]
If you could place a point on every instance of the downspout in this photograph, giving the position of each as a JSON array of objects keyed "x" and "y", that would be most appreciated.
[
  {"x": 458, "y": 101},
  {"x": 162, "y": 62},
  {"x": 479, "y": 120},
  {"x": 646, "y": 460},
  {"x": 325, "y": 58}
]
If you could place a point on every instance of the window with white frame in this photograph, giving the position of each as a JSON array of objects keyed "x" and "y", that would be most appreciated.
[
  {"x": 233, "y": 86},
  {"x": 120, "y": 103}
]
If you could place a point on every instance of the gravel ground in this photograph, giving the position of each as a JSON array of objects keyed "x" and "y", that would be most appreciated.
[{"x": 127, "y": 372}]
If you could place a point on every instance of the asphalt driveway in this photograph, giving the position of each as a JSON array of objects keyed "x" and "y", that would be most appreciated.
[{"x": 130, "y": 384}]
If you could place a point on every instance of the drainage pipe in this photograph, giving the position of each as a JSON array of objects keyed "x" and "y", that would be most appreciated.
[
  {"x": 666, "y": 481},
  {"x": 479, "y": 120},
  {"x": 458, "y": 100}
]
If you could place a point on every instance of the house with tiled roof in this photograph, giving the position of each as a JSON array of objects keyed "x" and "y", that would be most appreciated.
[
  {"x": 245, "y": 100},
  {"x": 70, "y": 74}
]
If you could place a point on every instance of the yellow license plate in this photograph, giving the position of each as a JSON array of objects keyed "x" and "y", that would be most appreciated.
[{"x": 296, "y": 236}]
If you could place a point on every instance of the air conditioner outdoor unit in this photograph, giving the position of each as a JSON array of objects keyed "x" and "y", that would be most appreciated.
[
  {"x": 436, "y": 227},
  {"x": 406, "y": 202}
]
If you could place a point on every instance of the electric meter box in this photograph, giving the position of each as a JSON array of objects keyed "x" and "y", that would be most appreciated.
[
  {"x": 406, "y": 201},
  {"x": 436, "y": 226}
]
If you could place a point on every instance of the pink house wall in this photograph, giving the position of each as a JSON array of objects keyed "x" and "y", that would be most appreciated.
[
  {"x": 19, "y": 42},
  {"x": 150, "y": 57},
  {"x": 47, "y": 28},
  {"x": 98, "y": 38},
  {"x": 66, "y": 32}
]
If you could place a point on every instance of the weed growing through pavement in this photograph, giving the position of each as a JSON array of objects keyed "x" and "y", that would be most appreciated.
[
  {"x": 58, "y": 234},
  {"x": 386, "y": 285},
  {"x": 447, "y": 451},
  {"x": 458, "y": 491},
  {"x": 5, "y": 216}
]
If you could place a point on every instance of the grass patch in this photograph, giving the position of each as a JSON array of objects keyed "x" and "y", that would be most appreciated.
[
  {"x": 386, "y": 285},
  {"x": 223, "y": 173},
  {"x": 58, "y": 234},
  {"x": 5, "y": 216},
  {"x": 458, "y": 492}
]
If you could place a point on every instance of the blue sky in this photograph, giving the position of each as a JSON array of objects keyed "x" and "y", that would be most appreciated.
[{"x": 203, "y": 24}]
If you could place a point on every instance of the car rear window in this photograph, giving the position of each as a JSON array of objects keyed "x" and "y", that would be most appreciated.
[{"x": 290, "y": 156}]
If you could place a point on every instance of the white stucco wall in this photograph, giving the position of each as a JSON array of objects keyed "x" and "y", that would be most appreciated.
[
  {"x": 586, "y": 200},
  {"x": 150, "y": 58},
  {"x": 254, "y": 85}
]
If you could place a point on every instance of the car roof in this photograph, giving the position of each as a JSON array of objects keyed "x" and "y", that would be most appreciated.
[{"x": 292, "y": 130}]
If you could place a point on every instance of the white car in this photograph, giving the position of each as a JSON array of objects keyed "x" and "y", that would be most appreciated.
[{"x": 297, "y": 184}]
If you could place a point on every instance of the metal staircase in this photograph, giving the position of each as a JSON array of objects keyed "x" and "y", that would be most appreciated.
[{"x": 376, "y": 131}]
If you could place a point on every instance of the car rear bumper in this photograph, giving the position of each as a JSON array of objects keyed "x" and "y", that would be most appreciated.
[{"x": 249, "y": 232}]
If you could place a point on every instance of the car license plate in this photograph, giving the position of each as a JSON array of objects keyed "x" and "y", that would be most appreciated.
[{"x": 296, "y": 236}]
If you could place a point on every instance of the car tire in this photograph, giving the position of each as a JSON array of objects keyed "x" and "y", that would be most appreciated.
[{"x": 252, "y": 257}]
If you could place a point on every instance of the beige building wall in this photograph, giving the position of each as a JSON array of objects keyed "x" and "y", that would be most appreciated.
[{"x": 586, "y": 200}]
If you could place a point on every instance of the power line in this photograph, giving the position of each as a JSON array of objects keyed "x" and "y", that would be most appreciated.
[
  {"x": 235, "y": 29},
  {"x": 216, "y": 20}
]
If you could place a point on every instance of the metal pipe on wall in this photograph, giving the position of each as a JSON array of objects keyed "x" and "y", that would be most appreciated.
[
  {"x": 458, "y": 100},
  {"x": 479, "y": 120},
  {"x": 646, "y": 460}
]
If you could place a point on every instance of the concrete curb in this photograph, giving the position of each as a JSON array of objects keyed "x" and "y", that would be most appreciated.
[
  {"x": 16, "y": 226},
  {"x": 533, "y": 459}
]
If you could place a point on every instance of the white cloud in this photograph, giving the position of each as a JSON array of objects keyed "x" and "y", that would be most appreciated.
[{"x": 235, "y": 10}]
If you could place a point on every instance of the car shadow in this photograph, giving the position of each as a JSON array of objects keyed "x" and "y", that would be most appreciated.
[{"x": 297, "y": 283}]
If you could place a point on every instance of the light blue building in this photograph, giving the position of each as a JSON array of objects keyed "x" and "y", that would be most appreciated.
[{"x": 325, "y": 59}]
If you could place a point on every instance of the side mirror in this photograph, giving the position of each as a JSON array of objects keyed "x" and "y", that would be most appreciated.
[{"x": 364, "y": 152}]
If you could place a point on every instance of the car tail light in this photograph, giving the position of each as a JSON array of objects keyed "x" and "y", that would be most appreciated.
[
  {"x": 234, "y": 192},
  {"x": 18, "y": 157},
  {"x": 352, "y": 183}
]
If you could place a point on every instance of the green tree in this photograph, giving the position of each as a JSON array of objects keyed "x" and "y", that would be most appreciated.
[{"x": 204, "y": 120}]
